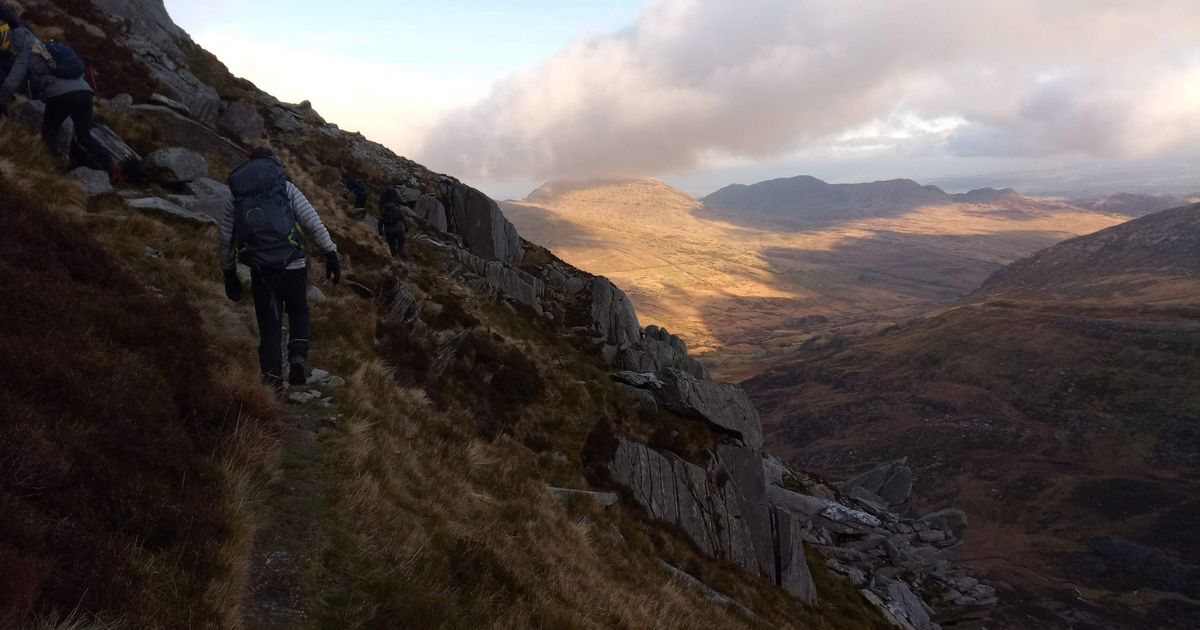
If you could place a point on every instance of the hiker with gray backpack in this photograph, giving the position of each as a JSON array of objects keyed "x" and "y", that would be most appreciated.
[
  {"x": 265, "y": 228},
  {"x": 57, "y": 74}
]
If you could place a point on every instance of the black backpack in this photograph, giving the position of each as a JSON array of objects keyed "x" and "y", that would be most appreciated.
[
  {"x": 65, "y": 63},
  {"x": 266, "y": 233},
  {"x": 391, "y": 217}
]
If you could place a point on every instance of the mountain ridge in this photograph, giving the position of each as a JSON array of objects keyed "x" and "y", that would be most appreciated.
[{"x": 1057, "y": 403}]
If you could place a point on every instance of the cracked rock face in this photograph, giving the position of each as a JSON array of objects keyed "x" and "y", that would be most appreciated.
[
  {"x": 715, "y": 511},
  {"x": 482, "y": 226},
  {"x": 613, "y": 314},
  {"x": 724, "y": 406}
]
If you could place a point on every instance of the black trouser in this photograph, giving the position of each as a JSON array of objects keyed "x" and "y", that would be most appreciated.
[
  {"x": 277, "y": 291},
  {"x": 78, "y": 107},
  {"x": 395, "y": 241}
]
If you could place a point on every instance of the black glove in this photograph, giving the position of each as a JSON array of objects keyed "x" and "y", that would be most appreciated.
[
  {"x": 333, "y": 267},
  {"x": 233, "y": 285}
]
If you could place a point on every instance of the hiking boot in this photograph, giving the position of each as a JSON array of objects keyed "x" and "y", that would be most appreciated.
[{"x": 296, "y": 374}]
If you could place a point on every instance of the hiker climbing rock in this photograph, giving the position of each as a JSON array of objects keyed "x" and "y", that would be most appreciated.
[
  {"x": 358, "y": 190},
  {"x": 57, "y": 74},
  {"x": 391, "y": 221},
  {"x": 264, "y": 228}
]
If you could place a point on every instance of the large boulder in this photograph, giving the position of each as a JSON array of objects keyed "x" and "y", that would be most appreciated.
[
  {"x": 726, "y": 407},
  {"x": 612, "y": 314},
  {"x": 485, "y": 231},
  {"x": 94, "y": 182},
  {"x": 793, "y": 574},
  {"x": 242, "y": 121},
  {"x": 659, "y": 350},
  {"x": 891, "y": 482},
  {"x": 162, "y": 207},
  {"x": 431, "y": 211},
  {"x": 703, "y": 503},
  {"x": 205, "y": 187},
  {"x": 175, "y": 165}
]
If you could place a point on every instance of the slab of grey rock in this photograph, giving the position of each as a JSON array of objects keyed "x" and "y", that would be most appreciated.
[
  {"x": 702, "y": 503},
  {"x": 483, "y": 227},
  {"x": 207, "y": 187},
  {"x": 720, "y": 404},
  {"x": 95, "y": 183},
  {"x": 892, "y": 482},
  {"x": 242, "y": 121},
  {"x": 431, "y": 211},
  {"x": 642, "y": 399},
  {"x": 793, "y": 574},
  {"x": 795, "y": 502},
  {"x": 175, "y": 165},
  {"x": 613, "y": 315},
  {"x": 643, "y": 380},
  {"x": 773, "y": 470},
  {"x": 162, "y": 206},
  {"x": 214, "y": 207},
  {"x": 603, "y": 499},
  {"x": 170, "y": 103},
  {"x": 286, "y": 121}
]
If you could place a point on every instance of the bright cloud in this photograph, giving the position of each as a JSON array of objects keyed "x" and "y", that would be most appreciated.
[{"x": 697, "y": 81}]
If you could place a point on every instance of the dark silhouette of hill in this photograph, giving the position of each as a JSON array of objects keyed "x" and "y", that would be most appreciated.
[
  {"x": 806, "y": 200},
  {"x": 1059, "y": 404},
  {"x": 1134, "y": 204}
]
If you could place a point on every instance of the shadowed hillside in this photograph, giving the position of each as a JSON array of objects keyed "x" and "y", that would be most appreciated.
[
  {"x": 489, "y": 436},
  {"x": 1059, "y": 404}
]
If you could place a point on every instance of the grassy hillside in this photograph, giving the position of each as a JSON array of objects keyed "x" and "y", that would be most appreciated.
[
  {"x": 1059, "y": 407},
  {"x": 149, "y": 481}
]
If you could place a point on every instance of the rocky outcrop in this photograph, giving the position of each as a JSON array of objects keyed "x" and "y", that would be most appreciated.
[
  {"x": 155, "y": 205},
  {"x": 432, "y": 212},
  {"x": 155, "y": 39},
  {"x": 892, "y": 558},
  {"x": 719, "y": 513},
  {"x": 726, "y": 407},
  {"x": 94, "y": 182},
  {"x": 613, "y": 315},
  {"x": 175, "y": 165},
  {"x": 242, "y": 121},
  {"x": 483, "y": 228},
  {"x": 491, "y": 277},
  {"x": 659, "y": 350},
  {"x": 889, "y": 485}
]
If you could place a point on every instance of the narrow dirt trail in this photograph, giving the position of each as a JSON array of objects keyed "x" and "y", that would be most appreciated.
[{"x": 295, "y": 513}]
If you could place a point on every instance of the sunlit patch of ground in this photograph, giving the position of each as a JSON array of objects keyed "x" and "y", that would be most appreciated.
[{"x": 743, "y": 292}]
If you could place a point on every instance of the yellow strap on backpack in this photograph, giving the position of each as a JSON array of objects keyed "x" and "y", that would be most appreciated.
[{"x": 5, "y": 39}]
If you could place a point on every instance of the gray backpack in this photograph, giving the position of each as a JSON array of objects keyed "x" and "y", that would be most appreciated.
[{"x": 266, "y": 233}]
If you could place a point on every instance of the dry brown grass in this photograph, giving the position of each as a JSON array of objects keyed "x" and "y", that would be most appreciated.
[{"x": 452, "y": 531}]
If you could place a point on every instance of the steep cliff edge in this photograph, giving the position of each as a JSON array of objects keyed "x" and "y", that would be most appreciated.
[{"x": 446, "y": 466}]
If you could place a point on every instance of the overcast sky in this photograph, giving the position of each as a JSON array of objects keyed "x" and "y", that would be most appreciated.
[{"x": 706, "y": 92}]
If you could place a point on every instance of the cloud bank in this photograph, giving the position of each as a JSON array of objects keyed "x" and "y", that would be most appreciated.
[{"x": 694, "y": 82}]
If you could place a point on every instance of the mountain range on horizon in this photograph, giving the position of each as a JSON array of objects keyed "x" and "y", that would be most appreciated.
[{"x": 777, "y": 261}]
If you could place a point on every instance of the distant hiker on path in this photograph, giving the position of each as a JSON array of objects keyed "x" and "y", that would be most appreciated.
[
  {"x": 359, "y": 191},
  {"x": 56, "y": 72},
  {"x": 391, "y": 222},
  {"x": 264, "y": 228}
]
